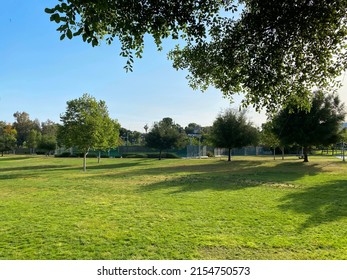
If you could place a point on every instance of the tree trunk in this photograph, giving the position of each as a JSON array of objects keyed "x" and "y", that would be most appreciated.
[
  {"x": 229, "y": 155},
  {"x": 159, "y": 154},
  {"x": 343, "y": 151},
  {"x": 99, "y": 156},
  {"x": 282, "y": 153},
  {"x": 274, "y": 153},
  {"x": 85, "y": 161},
  {"x": 305, "y": 152}
]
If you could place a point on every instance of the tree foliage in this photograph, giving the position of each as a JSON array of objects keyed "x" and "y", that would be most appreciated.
[
  {"x": 34, "y": 138},
  {"x": 231, "y": 130},
  {"x": 273, "y": 51},
  {"x": 165, "y": 135},
  {"x": 130, "y": 20},
  {"x": 23, "y": 125},
  {"x": 268, "y": 137},
  {"x": 49, "y": 131},
  {"x": 8, "y": 137},
  {"x": 319, "y": 126},
  {"x": 129, "y": 137},
  {"x": 87, "y": 125}
]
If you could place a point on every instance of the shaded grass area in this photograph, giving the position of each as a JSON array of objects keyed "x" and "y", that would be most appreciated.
[{"x": 250, "y": 208}]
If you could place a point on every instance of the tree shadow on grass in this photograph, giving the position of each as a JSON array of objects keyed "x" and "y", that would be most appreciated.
[
  {"x": 14, "y": 158},
  {"x": 24, "y": 172},
  {"x": 118, "y": 165},
  {"x": 240, "y": 167},
  {"x": 221, "y": 177},
  {"x": 33, "y": 167},
  {"x": 324, "y": 203}
]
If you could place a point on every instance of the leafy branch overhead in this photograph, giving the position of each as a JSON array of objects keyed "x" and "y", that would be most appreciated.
[
  {"x": 273, "y": 51},
  {"x": 130, "y": 20}
]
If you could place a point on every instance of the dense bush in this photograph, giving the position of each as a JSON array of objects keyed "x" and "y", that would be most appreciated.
[{"x": 210, "y": 154}]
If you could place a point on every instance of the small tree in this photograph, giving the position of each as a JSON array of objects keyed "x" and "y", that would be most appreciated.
[
  {"x": 269, "y": 138},
  {"x": 232, "y": 130},
  {"x": 343, "y": 140},
  {"x": 165, "y": 135},
  {"x": 33, "y": 140},
  {"x": 47, "y": 144},
  {"x": 319, "y": 126},
  {"x": 7, "y": 138},
  {"x": 48, "y": 141},
  {"x": 87, "y": 125},
  {"x": 111, "y": 136}
]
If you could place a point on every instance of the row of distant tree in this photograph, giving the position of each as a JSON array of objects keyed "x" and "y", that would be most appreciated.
[
  {"x": 42, "y": 137},
  {"x": 27, "y": 133},
  {"x": 86, "y": 125}
]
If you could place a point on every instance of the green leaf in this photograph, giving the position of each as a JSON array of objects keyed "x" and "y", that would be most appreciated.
[
  {"x": 49, "y": 11},
  {"x": 78, "y": 32},
  {"x": 57, "y": 18},
  {"x": 95, "y": 42},
  {"x": 69, "y": 34}
]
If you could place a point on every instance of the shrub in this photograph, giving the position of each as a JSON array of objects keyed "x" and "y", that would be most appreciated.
[{"x": 210, "y": 154}]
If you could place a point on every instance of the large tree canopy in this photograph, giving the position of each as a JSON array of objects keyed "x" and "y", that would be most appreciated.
[
  {"x": 131, "y": 20},
  {"x": 165, "y": 135},
  {"x": 231, "y": 130},
  {"x": 319, "y": 126},
  {"x": 274, "y": 51},
  {"x": 87, "y": 125}
]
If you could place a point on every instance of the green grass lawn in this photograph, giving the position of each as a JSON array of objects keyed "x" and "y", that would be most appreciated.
[{"x": 250, "y": 208}]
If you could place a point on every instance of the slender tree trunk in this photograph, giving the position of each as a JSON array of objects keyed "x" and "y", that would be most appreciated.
[
  {"x": 274, "y": 153},
  {"x": 343, "y": 151},
  {"x": 229, "y": 156},
  {"x": 85, "y": 161},
  {"x": 99, "y": 156},
  {"x": 159, "y": 154},
  {"x": 282, "y": 153},
  {"x": 305, "y": 152}
]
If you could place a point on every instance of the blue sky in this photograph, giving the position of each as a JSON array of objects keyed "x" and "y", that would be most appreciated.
[{"x": 39, "y": 73}]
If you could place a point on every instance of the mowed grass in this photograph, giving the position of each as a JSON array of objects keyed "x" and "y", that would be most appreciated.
[{"x": 250, "y": 208}]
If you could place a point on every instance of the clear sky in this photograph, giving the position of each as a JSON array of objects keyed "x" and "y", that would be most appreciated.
[{"x": 39, "y": 73}]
